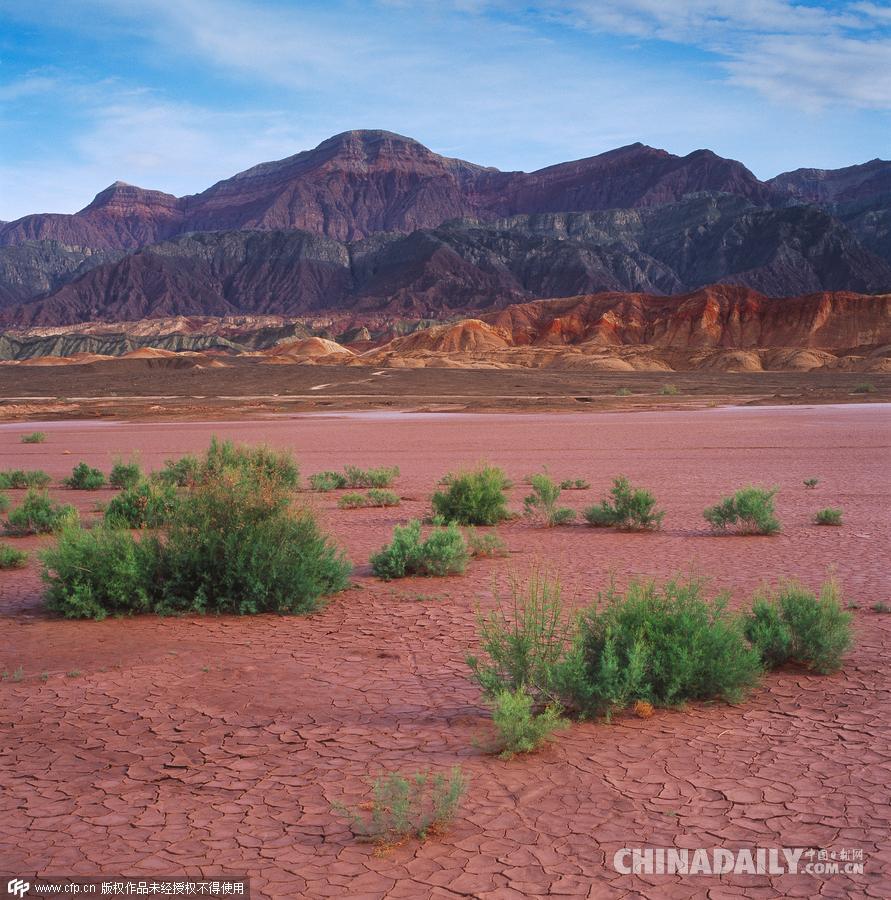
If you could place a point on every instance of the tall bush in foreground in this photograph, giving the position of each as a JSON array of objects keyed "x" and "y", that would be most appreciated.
[
  {"x": 443, "y": 552},
  {"x": 793, "y": 625},
  {"x": 542, "y": 503},
  {"x": 147, "y": 504},
  {"x": 235, "y": 546},
  {"x": 664, "y": 645},
  {"x": 626, "y": 508},
  {"x": 91, "y": 574},
  {"x": 749, "y": 511},
  {"x": 473, "y": 498}
]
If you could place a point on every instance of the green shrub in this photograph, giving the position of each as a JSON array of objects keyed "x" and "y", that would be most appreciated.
[
  {"x": 374, "y": 497},
  {"x": 627, "y": 508},
  {"x": 523, "y": 640},
  {"x": 408, "y": 806},
  {"x": 4, "y": 503},
  {"x": 125, "y": 475},
  {"x": 180, "y": 472},
  {"x": 37, "y": 514},
  {"x": 519, "y": 728},
  {"x": 865, "y": 387},
  {"x": 90, "y": 574},
  {"x": 13, "y": 479},
  {"x": 482, "y": 545},
  {"x": 85, "y": 478},
  {"x": 574, "y": 484},
  {"x": 811, "y": 483},
  {"x": 541, "y": 504},
  {"x": 473, "y": 498},
  {"x": 828, "y": 516},
  {"x": 442, "y": 553},
  {"x": 261, "y": 463},
  {"x": 146, "y": 504},
  {"x": 750, "y": 509},
  {"x": 793, "y": 625},
  {"x": 234, "y": 546},
  {"x": 371, "y": 478},
  {"x": 881, "y": 607},
  {"x": 327, "y": 481},
  {"x": 35, "y": 437},
  {"x": 662, "y": 645},
  {"x": 10, "y": 558},
  {"x": 669, "y": 390}
]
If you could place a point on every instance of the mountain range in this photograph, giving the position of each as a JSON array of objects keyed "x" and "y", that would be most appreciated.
[{"x": 374, "y": 223}]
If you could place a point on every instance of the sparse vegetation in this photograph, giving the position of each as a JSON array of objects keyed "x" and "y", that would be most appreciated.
[
  {"x": 523, "y": 640},
  {"x": 541, "y": 504},
  {"x": 669, "y": 390},
  {"x": 85, "y": 478},
  {"x": 258, "y": 463},
  {"x": 626, "y": 508},
  {"x": 405, "y": 806},
  {"x": 11, "y": 558},
  {"x": 623, "y": 392},
  {"x": 794, "y": 625},
  {"x": 4, "y": 503},
  {"x": 146, "y": 504},
  {"x": 865, "y": 387},
  {"x": 574, "y": 484},
  {"x": 382, "y": 477},
  {"x": 829, "y": 516},
  {"x": 811, "y": 483},
  {"x": 35, "y": 437},
  {"x": 520, "y": 729},
  {"x": 750, "y": 510},
  {"x": 484, "y": 544},
  {"x": 125, "y": 475},
  {"x": 17, "y": 479},
  {"x": 37, "y": 514},
  {"x": 443, "y": 552},
  {"x": 180, "y": 472},
  {"x": 881, "y": 607},
  {"x": 473, "y": 497},
  {"x": 374, "y": 497},
  {"x": 327, "y": 481}
]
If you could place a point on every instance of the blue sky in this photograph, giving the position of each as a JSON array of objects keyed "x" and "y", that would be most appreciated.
[{"x": 177, "y": 94}]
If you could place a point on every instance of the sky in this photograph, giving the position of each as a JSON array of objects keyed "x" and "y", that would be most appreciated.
[{"x": 178, "y": 94}]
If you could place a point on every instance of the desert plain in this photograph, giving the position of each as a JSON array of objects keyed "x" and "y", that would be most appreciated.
[{"x": 154, "y": 746}]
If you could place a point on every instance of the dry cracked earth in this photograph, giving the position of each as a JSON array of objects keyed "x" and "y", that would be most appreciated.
[{"x": 158, "y": 747}]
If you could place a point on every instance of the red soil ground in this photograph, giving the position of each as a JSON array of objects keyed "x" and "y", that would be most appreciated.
[{"x": 171, "y": 746}]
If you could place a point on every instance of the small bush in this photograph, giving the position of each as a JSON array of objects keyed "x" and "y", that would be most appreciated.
[
  {"x": 811, "y": 483},
  {"x": 442, "y": 553},
  {"x": 881, "y": 607},
  {"x": 146, "y": 504},
  {"x": 661, "y": 645},
  {"x": 374, "y": 497},
  {"x": 408, "y": 806},
  {"x": 180, "y": 472},
  {"x": 523, "y": 640},
  {"x": 541, "y": 504},
  {"x": 85, "y": 478},
  {"x": 482, "y": 545},
  {"x": 261, "y": 463},
  {"x": 37, "y": 514},
  {"x": 4, "y": 503},
  {"x": 623, "y": 392},
  {"x": 371, "y": 478},
  {"x": 35, "y": 437},
  {"x": 627, "y": 508},
  {"x": 669, "y": 390},
  {"x": 750, "y": 510},
  {"x": 90, "y": 574},
  {"x": 473, "y": 498},
  {"x": 865, "y": 387},
  {"x": 10, "y": 558},
  {"x": 828, "y": 516},
  {"x": 125, "y": 475},
  {"x": 574, "y": 484},
  {"x": 327, "y": 481},
  {"x": 234, "y": 546},
  {"x": 793, "y": 625},
  {"x": 520, "y": 729},
  {"x": 13, "y": 479}
]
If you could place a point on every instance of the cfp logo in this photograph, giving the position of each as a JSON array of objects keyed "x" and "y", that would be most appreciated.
[{"x": 18, "y": 888}]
